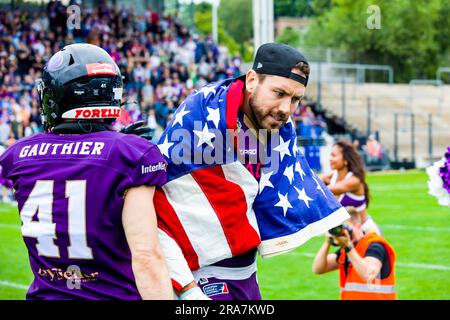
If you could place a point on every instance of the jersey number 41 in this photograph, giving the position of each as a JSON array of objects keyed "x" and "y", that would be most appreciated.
[{"x": 44, "y": 230}]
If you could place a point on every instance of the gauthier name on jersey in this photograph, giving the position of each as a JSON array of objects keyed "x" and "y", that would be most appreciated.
[{"x": 80, "y": 148}]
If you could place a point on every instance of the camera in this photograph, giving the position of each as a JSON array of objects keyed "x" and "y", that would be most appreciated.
[{"x": 339, "y": 231}]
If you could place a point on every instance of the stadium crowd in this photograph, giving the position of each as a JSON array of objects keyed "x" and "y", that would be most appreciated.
[
  {"x": 161, "y": 61},
  {"x": 308, "y": 124}
]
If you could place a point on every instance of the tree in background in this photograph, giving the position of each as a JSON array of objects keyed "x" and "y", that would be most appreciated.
[
  {"x": 292, "y": 8},
  {"x": 442, "y": 24},
  {"x": 413, "y": 37},
  {"x": 203, "y": 24},
  {"x": 237, "y": 16},
  {"x": 290, "y": 36},
  {"x": 300, "y": 8}
]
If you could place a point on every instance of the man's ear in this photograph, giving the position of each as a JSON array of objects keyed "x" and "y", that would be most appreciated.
[{"x": 251, "y": 81}]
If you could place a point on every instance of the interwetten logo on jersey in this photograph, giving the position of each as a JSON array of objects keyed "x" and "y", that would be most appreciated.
[{"x": 153, "y": 168}]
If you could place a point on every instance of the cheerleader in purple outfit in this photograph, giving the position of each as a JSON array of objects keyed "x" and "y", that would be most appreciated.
[{"x": 348, "y": 184}]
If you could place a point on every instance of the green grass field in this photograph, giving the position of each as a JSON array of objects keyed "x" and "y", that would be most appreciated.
[{"x": 412, "y": 221}]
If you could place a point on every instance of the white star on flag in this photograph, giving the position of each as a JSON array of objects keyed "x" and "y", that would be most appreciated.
[
  {"x": 295, "y": 148},
  {"x": 204, "y": 136},
  {"x": 179, "y": 116},
  {"x": 214, "y": 116},
  {"x": 206, "y": 91},
  {"x": 165, "y": 146},
  {"x": 264, "y": 181},
  {"x": 283, "y": 148},
  {"x": 317, "y": 182},
  {"x": 303, "y": 196},
  {"x": 283, "y": 203},
  {"x": 298, "y": 168},
  {"x": 289, "y": 173}
]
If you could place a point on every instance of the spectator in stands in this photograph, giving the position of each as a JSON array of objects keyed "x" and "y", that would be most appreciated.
[
  {"x": 151, "y": 121},
  {"x": 356, "y": 144},
  {"x": 150, "y": 50},
  {"x": 309, "y": 128},
  {"x": 5, "y": 131},
  {"x": 348, "y": 182},
  {"x": 307, "y": 122},
  {"x": 319, "y": 126},
  {"x": 373, "y": 149},
  {"x": 297, "y": 118}
]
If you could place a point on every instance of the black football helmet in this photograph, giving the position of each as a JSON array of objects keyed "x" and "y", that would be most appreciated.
[{"x": 80, "y": 82}]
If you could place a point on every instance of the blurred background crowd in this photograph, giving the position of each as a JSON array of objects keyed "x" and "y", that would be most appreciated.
[{"x": 160, "y": 59}]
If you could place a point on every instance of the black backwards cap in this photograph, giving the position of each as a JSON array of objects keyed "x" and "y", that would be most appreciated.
[{"x": 278, "y": 59}]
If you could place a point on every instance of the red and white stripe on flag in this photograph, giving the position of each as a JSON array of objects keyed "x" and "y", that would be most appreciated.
[{"x": 209, "y": 214}]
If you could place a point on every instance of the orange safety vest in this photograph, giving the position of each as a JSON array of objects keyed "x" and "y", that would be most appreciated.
[{"x": 355, "y": 288}]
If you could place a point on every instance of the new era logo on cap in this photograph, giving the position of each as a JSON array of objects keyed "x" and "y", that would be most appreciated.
[{"x": 259, "y": 65}]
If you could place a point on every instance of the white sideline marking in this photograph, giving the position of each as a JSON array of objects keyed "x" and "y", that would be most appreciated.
[
  {"x": 305, "y": 254},
  {"x": 397, "y": 264},
  {"x": 423, "y": 266},
  {"x": 13, "y": 285},
  {"x": 401, "y": 227},
  {"x": 9, "y": 226}
]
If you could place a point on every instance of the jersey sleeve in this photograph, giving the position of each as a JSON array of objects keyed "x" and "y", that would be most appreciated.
[
  {"x": 149, "y": 170},
  {"x": 6, "y": 163},
  {"x": 141, "y": 162}
]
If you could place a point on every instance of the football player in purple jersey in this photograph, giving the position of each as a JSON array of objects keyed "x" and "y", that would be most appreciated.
[{"x": 85, "y": 192}]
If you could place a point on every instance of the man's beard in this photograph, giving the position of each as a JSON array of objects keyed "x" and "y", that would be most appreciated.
[{"x": 259, "y": 115}]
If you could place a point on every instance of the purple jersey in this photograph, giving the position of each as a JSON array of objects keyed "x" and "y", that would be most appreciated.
[
  {"x": 349, "y": 199},
  {"x": 252, "y": 150},
  {"x": 70, "y": 192},
  {"x": 4, "y": 182}
]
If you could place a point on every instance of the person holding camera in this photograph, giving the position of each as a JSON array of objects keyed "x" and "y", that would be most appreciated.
[{"x": 365, "y": 261}]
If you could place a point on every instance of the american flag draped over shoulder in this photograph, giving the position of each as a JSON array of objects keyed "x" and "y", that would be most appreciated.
[{"x": 212, "y": 208}]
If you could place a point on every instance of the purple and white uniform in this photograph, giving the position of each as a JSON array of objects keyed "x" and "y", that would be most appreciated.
[
  {"x": 359, "y": 202},
  {"x": 70, "y": 193},
  {"x": 349, "y": 199}
]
